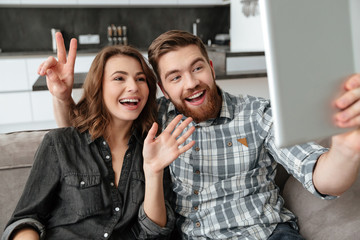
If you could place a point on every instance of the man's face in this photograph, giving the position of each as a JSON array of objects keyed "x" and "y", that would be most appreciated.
[{"x": 188, "y": 80}]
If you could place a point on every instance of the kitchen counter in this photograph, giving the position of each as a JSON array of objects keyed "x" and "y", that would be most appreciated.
[{"x": 79, "y": 78}]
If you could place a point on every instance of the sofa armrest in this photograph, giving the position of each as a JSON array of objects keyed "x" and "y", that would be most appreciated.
[{"x": 324, "y": 219}]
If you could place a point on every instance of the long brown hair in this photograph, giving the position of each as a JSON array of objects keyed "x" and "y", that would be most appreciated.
[
  {"x": 170, "y": 41},
  {"x": 90, "y": 112}
]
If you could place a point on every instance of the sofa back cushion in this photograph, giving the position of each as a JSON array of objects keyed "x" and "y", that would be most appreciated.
[{"x": 17, "y": 152}]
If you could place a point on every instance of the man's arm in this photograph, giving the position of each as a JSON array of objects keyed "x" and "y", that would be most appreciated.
[
  {"x": 60, "y": 79},
  {"x": 338, "y": 169}
]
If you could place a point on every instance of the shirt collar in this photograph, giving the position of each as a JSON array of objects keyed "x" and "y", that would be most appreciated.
[{"x": 135, "y": 136}]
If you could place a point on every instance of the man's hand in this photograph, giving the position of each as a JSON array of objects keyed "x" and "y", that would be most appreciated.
[
  {"x": 60, "y": 73},
  {"x": 338, "y": 169}
]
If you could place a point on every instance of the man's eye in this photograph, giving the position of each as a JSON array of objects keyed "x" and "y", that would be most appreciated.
[
  {"x": 197, "y": 69},
  {"x": 175, "y": 78}
]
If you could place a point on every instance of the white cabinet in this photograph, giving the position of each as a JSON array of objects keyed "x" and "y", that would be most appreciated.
[
  {"x": 15, "y": 108},
  {"x": 49, "y": 2},
  {"x": 20, "y": 107},
  {"x": 153, "y": 2},
  {"x": 103, "y": 2},
  {"x": 203, "y": 2},
  {"x": 13, "y": 75},
  {"x": 9, "y": 2}
]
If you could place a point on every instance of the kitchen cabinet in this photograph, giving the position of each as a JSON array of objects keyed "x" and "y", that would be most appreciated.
[
  {"x": 103, "y": 2},
  {"x": 203, "y": 2},
  {"x": 24, "y": 109},
  {"x": 13, "y": 75},
  {"x": 48, "y": 2},
  {"x": 153, "y": 2},
  {"x": 9, "y": 2}
]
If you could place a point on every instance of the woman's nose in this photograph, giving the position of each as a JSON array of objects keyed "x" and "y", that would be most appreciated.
[{"x": 132, "y": 85}]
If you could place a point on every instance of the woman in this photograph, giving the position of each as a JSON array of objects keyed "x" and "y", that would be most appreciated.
[{"x": 100, "y": 179}]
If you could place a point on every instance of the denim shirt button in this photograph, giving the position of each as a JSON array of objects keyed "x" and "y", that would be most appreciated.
[
  {"x": 112, "y": 184},
  {"x": 104, "y": 143},
  {"x": 82, "y": 183},
  {"x": 107, "y": 157},
  {"x": 117, "y": 209},
  {"x": 106, "y": 235}
]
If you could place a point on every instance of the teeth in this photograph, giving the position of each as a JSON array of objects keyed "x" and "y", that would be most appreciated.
[
  {"x": 196, "y": 95},
  {"x": 129, "y": 100}
]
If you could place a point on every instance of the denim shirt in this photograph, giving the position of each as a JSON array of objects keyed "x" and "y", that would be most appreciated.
[{"x": 71, "y": 194}]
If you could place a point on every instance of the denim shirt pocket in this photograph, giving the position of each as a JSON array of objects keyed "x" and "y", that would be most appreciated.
[
  {"x": 83, "y": 193},
  {"x": 137, "y": 187}
]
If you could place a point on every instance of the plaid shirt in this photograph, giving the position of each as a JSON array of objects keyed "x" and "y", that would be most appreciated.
[{"x": 225, "y": 184}]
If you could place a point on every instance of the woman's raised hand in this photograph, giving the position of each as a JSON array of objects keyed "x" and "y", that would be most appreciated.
[
  {"x": 159, "y": 152},
  {"x": 60, "y": 72}
]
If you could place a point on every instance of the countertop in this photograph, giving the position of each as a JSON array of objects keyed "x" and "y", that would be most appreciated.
[{"x": 79, "y": 78}]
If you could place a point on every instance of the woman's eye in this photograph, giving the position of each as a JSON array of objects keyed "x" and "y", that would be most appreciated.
[
  {"x": 119, "y": 78},
  {"x": 141, "y": 79}
]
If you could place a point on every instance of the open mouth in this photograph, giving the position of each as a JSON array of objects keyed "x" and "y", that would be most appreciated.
[
  {"x": 129, "y": 102},
  {"x": 195, "y": 97}
]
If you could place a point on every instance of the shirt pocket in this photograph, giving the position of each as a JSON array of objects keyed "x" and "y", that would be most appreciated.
[
  {"x": 137, "y": 187},
  {"x": 83, "y": 193}
]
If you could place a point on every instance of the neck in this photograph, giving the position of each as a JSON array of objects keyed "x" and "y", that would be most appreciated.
[{"x": 118, "y": 134}]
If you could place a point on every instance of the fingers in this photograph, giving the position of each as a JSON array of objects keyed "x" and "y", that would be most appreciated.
[
  {"x": 353, "y": 82},
  {"x": 152, "y": 133},
  {"x": 186, "y": 147},
  {"x": 49, "y": 63},
  {"x": 72, "y": 53},
  {"x": 61, "y": 51}
]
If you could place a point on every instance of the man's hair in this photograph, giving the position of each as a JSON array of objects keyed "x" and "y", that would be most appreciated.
[
  {"x": 171, "y": 41},
  {"x": 90, "y": 113}
]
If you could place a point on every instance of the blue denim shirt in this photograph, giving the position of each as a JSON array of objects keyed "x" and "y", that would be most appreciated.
[{"x": 71, "y": 194}]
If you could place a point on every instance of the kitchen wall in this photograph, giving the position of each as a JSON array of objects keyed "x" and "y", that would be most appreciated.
[{"x": 28, "y": 29}]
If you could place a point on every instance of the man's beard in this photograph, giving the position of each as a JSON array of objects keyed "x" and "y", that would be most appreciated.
[{"x": 205, "y": 112}]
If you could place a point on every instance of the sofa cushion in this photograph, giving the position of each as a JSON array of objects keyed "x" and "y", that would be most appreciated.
[
  {"x": 324, "y": 219},
  {"x": 16, "y": 157}
]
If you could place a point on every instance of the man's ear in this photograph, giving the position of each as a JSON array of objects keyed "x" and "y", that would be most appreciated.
[
  {"x": 163, "y": 90},
  {"x": 212, "y": 68}
]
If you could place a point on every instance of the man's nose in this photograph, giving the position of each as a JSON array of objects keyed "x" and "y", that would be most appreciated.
[{"x": 191, "y": 81}]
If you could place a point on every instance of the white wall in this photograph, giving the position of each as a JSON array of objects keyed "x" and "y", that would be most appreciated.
[{"x": 245, "y": 32}]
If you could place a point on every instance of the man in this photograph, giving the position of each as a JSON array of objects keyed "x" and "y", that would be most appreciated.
[{"x": 225, "y": 185}]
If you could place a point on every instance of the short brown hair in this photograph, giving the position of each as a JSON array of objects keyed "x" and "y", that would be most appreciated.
[
  {"x": 90, "y": 112},
  {"x": 170, "y": 41}
]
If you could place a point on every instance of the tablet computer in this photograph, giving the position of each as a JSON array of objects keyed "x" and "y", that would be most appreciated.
[{"x": 309, "y": 51}]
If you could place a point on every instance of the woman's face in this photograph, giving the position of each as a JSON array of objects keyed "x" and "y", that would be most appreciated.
[{"x": 125, "y": 89}]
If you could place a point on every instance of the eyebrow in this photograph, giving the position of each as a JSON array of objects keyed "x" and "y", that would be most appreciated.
[
  {"x": 199, "y": 59},
  {"x": 126, "y": 73}
]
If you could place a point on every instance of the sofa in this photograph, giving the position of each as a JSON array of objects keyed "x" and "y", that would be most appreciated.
[{"x": 318, "y": 219}]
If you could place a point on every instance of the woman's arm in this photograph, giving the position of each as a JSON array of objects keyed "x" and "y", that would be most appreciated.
[
  {"x": 158, "y": 153},
  {"x": 25, "y": 234}
]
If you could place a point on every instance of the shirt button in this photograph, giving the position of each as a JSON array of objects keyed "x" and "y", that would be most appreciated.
[
  {"x": 112, "y": 184},
  {"x": 107, "y": 157},
  {"x": 197, "y": 149},
  {"x": 196, "y": 192},
  {"x": 82, "y": 183},
  {"x": 197, "y": 172},
  {"x": 104, "y": 143},
  {"x": 229, "y": 144},
  {"x": 197, "y": 224},
  {"x": 106, "y": 235},
  {"x": 117, "y": 209},
  {"x": 196, "y": 208}
]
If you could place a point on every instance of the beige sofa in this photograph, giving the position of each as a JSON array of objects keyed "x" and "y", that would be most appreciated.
[{"x": 318, "y": 219}]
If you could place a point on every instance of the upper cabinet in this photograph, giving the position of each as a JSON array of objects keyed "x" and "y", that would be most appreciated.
[
  {"x": 99, "y": 3},
  {"x": 103, "y": 2}
]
